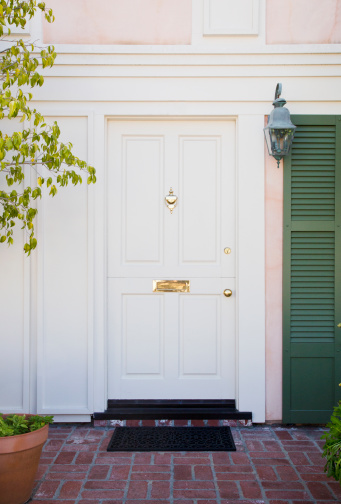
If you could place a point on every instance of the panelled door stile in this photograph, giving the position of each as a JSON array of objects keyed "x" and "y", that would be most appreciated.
[{"x": 312, "y": 271}]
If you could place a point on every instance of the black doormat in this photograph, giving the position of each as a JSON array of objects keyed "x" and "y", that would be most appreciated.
[{"x": 160, "y": 439}]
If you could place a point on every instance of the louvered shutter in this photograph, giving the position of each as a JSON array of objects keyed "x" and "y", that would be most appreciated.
[{"x": 311, "y": 272}]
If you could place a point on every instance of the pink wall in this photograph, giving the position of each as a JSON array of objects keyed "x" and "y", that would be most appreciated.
[
  {"x": 273, "y": 285},
  {"x": 120, "y": 22},
  {"x": 303, "y": 22}
]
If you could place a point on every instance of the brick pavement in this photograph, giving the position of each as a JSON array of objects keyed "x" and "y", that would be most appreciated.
[{"x": 272, "y": 465}]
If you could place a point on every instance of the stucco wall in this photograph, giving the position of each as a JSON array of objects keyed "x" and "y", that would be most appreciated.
[
  {"x": 273, "y": 285},
  {"x": 303, "y": 22},
  {"x": 120, "y": 22}
]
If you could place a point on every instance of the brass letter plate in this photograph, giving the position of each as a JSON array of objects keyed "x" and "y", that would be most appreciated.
[{"x": 171, "y": 286}]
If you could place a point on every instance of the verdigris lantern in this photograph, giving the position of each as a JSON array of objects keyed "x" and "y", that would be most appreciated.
[{"x": 279, "y": 132}]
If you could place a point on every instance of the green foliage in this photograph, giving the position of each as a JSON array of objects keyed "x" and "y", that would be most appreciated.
[
  {"x": 12, "y": 425},
  {"x": 38, "y": 145},
  {"x": 332, "y": 447}
]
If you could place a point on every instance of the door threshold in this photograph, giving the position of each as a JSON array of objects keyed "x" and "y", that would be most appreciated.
[{"x": 193, "y": 409}]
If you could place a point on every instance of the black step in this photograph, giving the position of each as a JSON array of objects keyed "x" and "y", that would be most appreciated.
[{"x": 125, "y": 409}]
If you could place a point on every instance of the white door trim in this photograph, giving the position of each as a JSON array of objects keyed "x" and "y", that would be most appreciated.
[{"x": 250, "y": 296}]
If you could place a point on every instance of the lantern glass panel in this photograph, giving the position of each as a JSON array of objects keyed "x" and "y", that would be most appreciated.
[
  {"x": 279, "y": 140},
  {"x": 268, "y": 140}
]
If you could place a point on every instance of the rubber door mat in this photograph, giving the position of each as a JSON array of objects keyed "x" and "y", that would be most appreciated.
[{"x": 160, "y": 439}]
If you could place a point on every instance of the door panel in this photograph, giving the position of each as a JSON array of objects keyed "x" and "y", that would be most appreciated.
[
  {"x": 167, "y": 345},
  {"x": 142, "y": 160},
  {"x": 142, "y": 311},
  {"x": 171, "y": 345},
  {"x": 200, "y": 335},
  {"x": 146, "y": 159},
  {"x": 200, "y": 214}
]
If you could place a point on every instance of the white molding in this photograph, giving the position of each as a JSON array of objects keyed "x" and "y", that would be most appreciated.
[
  {"x": 100, "y": 266},
  {"x": 91, "y": 266},
  {"x": 251, "y": 266},
  {"x": 99, "y": 63},
  {"x": 188, "y": 89},
  {"x": 230, "y": 69},
  {"x": 234, "y": 48},
  {"x": 196, "y": 108},
  {"x": 61, "y": 418},
  {"x": 41, "y": 409},
  {"x": 252, "y": 30},
  {"x": 40, "y": 300},
  {"x": 27, "y": 317}
]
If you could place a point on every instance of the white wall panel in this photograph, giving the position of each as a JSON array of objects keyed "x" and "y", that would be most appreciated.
[
  {"x": 228, "y": 17},
  {"x": 63, "y": 332},
  {"x": 14, "y": 311},
  {"x": 14, "y": 329}
]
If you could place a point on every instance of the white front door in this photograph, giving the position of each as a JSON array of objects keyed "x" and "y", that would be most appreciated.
[{"x": 170, "y": 345}]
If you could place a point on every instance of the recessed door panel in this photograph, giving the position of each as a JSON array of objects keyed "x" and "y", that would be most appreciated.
[
  {"x": 142, "y": 335},
  {"x": 142, "y": 167},
  {"x": 200, "y": 335},
  {"x": 200, "y": 167}
]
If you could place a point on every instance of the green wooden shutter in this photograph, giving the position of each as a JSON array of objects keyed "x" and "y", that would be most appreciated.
[{"x": 312, "y": 271}]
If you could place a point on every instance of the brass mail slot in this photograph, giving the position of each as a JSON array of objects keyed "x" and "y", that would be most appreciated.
[{"x": 171, "y": 286}]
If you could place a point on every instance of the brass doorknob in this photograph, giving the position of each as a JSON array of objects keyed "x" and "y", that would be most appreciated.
[
  {"x": 339, "y": 325},
  {"x": 227, "y": 293}
]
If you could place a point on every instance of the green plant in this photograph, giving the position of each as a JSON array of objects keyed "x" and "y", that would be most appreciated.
[
  {"x": 37, "y": 144},
  {"x": 332, "y": 447},
  {"x": 12, "y": 425}
]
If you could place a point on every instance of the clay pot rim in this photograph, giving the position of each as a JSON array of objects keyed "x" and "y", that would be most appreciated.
[{"x": 21, "y": 442}]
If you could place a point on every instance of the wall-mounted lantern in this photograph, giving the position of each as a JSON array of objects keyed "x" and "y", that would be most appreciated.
[{"x": 279, "y": 132}]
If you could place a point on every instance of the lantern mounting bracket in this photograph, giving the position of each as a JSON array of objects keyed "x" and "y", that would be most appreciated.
[{"x": 278, "y": 91}]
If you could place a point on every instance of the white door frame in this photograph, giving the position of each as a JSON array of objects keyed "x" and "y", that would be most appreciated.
[{"x": 250, "y": 291}]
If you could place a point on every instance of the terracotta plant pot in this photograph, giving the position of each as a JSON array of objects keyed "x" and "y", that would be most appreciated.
[{"x": 19, "y": 459}]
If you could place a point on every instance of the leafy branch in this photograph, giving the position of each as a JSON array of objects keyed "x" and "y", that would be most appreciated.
[
  {"x": 332, "y": 446},
  {"x": 37, "y": 146}
]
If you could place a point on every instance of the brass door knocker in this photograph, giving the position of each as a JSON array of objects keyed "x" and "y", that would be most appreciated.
[{"x": 171, "y": 200}]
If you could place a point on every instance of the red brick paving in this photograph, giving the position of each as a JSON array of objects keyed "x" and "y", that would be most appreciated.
[{"x": 272, "y": 465}]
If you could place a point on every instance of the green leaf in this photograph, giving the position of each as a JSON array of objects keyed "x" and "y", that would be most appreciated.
[
  {"x": 14, "y": 425},
  {"x": 38, "y": 146}
]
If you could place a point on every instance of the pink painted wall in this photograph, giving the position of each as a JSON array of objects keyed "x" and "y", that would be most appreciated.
[
  {"x": 303, "y": 22},
  {"x": 273, "y": 286},
  {"x": 119, "y": 22}
]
